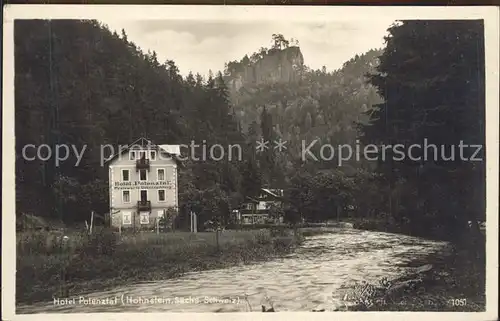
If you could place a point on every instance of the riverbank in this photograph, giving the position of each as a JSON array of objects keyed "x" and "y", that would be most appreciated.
[
  {"x": 317, "y": 273},
  {"x": 51, "y": 265},
  {"x": 452, "y": 280},
  {"x": 456, "y": 281}
]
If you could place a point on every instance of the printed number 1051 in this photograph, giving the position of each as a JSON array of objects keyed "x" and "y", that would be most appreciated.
[{"x": 458, "y": 302}]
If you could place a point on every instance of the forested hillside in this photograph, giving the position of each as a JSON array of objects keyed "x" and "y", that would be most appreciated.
[
  {"x": 275, "y": 88},
  {"x": 78, "y": 83}
]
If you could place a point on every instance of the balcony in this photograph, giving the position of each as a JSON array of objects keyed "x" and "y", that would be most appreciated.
[
  {"x": 144, "y": 206},
  {"x": 142, "y": 163}
]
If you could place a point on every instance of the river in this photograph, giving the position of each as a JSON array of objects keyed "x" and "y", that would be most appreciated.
[{"x": 317, "y": 274}]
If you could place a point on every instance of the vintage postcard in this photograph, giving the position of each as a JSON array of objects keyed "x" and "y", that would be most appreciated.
[{"x": 215, "y": 162}]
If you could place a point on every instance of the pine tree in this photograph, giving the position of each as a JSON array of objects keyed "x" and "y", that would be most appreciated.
[{"x": 433, "y": 89}]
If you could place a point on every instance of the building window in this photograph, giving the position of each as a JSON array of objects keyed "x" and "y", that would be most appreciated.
[
  {"x": 132, "y": 156},
  {"x": 249, "y": 206},
  {"x": 143, "y": 175},
  {"x": 125, "y": 175},
  {"x": 126, "y": 218},
  {"x": 144, "y": 196},
  {"x": 126, "y": 196},
  {"x": 153, "y": 155},
  {"x": 161, "y": 174},
  {"x": 144, "y": 218},
  {"x": 161, "y": 195}
]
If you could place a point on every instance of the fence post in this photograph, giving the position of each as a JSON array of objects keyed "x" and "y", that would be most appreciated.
[
  {"x": 217, "y": 238},
  {"x": 91, "y": 222}
]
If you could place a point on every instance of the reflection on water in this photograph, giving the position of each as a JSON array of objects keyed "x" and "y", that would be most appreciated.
[{"x": 317, "y": 273}]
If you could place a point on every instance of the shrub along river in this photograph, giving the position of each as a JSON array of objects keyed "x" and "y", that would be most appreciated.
[{"x": 318, "y": 273}]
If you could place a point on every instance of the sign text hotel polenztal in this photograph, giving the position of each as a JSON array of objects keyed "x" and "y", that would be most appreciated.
[{"x": 143, "y": 185}]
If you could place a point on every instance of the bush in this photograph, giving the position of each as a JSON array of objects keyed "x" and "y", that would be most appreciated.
[
  {"x": 279, "y": 231},
  {"x": 103, "y": 242},
  {"x": 282, "y": 243},
  {"x": 263, "y": 238}
]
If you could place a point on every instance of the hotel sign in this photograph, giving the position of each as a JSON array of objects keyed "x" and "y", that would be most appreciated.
[{"x": 144, "y": 185}]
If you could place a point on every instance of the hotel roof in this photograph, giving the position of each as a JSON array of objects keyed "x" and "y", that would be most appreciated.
[{"x": 172, "y": 150}]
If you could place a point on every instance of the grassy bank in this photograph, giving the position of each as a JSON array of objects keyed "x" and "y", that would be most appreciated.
[
  {"x": 49, "y": 265},
  {"x": 456, "y": 282}
]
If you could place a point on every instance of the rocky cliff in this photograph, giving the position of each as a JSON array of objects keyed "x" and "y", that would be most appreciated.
[
  {"x": 273, "y": 66},
  {"x": 299, "y": 98}
]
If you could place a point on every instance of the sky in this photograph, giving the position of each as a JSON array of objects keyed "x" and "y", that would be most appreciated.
[{"x": 203, "y": 45}]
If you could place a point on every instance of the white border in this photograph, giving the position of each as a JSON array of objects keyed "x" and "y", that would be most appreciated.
[
  {"x": 245, "y": 13},
  {"x": 249, "y": 13}
]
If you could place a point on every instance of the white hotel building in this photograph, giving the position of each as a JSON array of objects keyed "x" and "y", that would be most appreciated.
[{"x": 143, "y": 184}]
